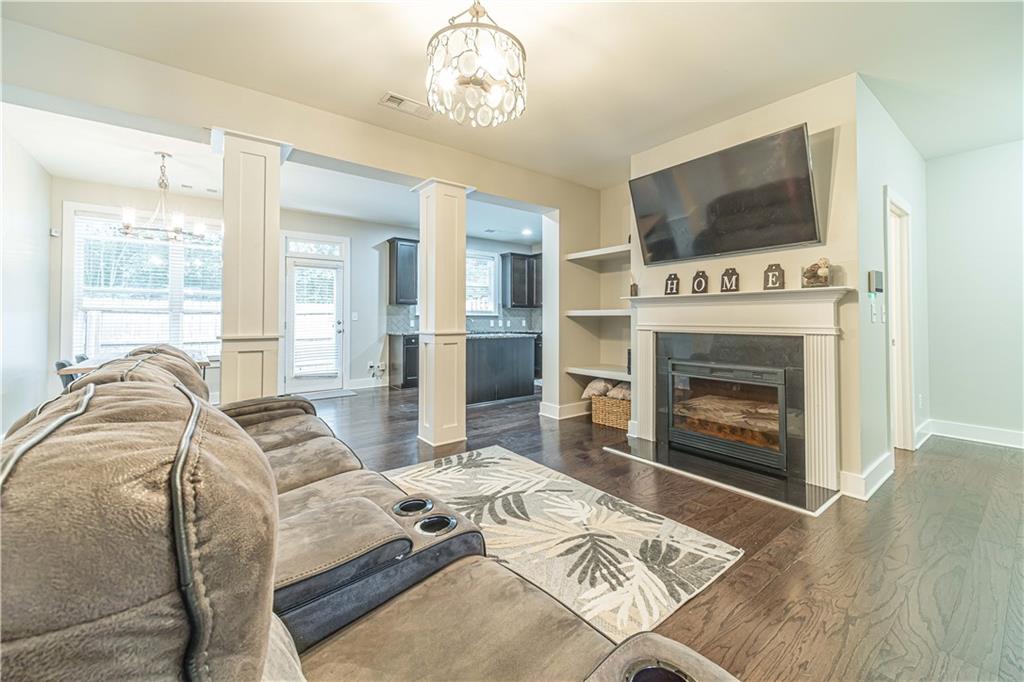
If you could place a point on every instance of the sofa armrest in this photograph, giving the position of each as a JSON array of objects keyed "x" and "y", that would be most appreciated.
[
  {"x": 256, "y": 410},
  {"x": 648, "y": 650},
  {"x": 433, "y": 547},
  {"x": 333, "y": 545}
]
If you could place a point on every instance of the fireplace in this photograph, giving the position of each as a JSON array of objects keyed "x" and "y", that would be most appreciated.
[
  {"x": 733, "y": 411},
  {"x": 742, "y": 389},
  {"x": 733, "y": 398}
]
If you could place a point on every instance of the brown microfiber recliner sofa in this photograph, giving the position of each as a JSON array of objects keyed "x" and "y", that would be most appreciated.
[{"x": 141, "y": 539}]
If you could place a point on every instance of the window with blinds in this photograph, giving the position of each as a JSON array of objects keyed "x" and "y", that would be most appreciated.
[
  {"x": 481, "y": 284},
  {"x": 131, "y": 290}
]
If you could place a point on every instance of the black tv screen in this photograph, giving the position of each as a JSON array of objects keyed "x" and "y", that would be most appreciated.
[{"x": 756, "y": 195}]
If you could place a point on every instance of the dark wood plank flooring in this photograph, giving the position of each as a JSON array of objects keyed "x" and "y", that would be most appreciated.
[{"x": 924, "y": 582}]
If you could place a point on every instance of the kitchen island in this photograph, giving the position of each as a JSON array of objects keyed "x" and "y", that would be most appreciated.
[{"x": 498, "y": 366}]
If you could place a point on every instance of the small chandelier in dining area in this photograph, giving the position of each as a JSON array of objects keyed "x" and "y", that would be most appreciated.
[
  {"x": 476, "y": 70},
  {"x": 159, "y": 224}
]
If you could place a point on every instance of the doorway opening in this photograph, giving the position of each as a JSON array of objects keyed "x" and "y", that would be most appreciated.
[{"x": 898, "y": 303}]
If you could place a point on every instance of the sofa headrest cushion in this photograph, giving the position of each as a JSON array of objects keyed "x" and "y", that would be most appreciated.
[
  {"x": 138, "y": 540},
  {"x": 163, "y": 368}
]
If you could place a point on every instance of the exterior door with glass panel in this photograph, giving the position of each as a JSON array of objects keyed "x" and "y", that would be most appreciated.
[{"x": 314, "y": 325}]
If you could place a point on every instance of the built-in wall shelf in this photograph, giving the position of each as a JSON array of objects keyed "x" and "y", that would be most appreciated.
[
  {"x": 599, "y": 312},
  {"x": 613, "y": 372},
  {"x": 619, "y": 252}
]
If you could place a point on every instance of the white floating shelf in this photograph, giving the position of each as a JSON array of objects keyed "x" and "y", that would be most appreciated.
[
  {"x": 606, "y": 253},
  {"x": 602, "y": 312},
  {"x": 615, "y": 372}
]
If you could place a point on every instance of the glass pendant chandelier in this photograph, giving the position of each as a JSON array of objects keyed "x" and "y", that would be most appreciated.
[
  {"x": 476, "y": 71},
  {"x": 158, "y": 225}
]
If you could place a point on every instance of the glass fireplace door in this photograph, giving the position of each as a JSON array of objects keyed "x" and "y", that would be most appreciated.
[{"x": 730, "y": 410}]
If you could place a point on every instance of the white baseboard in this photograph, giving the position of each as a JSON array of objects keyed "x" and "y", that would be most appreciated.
[
  {"x": 368, "y": 382},
  {"x": 566, "y": 411},
  {"x": 863, "y": 486},
  {"x": 922, "y": 434},
  {"x": 631, "y": 427},
  {"x": 980, "y": 434}
]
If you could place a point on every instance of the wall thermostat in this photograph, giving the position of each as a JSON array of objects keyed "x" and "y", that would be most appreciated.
[{"x": 875, "y": 281}]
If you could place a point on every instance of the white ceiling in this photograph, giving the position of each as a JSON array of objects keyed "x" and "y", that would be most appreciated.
[
  {"x": 605, "y": 79},
  {"x": 79, "y": 149}
]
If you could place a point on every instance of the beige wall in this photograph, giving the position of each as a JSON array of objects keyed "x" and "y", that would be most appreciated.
[
  {"x": 25, "y": 369},
  {"x": 830, "y": 113},
  {"x": 77, "y": 77}
]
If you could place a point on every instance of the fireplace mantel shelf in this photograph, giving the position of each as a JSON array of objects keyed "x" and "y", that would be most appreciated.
[{"x": 812, "y": 293}]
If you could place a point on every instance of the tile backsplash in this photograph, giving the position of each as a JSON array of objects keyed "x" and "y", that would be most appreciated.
[{"x": 400, "y": 316}]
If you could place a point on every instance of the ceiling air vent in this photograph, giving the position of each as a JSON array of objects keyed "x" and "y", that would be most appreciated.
[{"x": 406, "y": 105}]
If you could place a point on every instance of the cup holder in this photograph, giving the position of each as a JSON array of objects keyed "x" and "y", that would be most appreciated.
[
  {"x": 656, "y": 671},
  {"x": 435, "y": 525},
  {"x": 413, "y": 506}
]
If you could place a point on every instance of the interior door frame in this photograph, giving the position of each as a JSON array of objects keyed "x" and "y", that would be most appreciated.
[
  {"x": 346, "y": 296},
  {"x": 899, "y": 319}
]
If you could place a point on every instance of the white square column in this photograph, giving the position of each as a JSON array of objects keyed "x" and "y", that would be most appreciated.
[
  {"x": 250, "y": 319},
  {"x": 442, "y": 301}
]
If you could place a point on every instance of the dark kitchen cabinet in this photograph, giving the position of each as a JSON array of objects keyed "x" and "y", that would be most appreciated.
[
  {"x": 403, "y": 256},
  {"x": 538, "y": 357},
  {"x": 404, "y": 360},
  {"x": 499, "y": 368},
  {"x": 521, "y": 280}
]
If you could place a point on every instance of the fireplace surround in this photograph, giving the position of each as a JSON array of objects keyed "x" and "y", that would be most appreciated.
[{"x": 741, "y": 388}]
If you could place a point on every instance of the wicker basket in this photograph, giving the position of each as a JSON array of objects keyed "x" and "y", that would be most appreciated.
[{"x": 610, "y": 412}]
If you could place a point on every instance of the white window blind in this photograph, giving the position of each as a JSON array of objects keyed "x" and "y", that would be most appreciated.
[
  {"x": 315, "y": 337},
  {"x": 131, "y": 290},
  {"x": 481, "y": 284}
]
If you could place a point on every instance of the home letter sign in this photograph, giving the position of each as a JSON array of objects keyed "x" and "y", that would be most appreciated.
[
  {"x": 672, "y": 284},
  {"x": 700, "y": 283},
  {"x": 730, "y": 280},
  {"x": 774, "y": 277}
]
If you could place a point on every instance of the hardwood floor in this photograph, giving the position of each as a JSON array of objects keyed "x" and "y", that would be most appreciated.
[{"x": 924, "y": 582}]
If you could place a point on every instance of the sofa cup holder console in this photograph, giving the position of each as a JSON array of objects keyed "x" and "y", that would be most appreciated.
[
  {"x": 655, "y": 671},
  {"x": 436, "y": 525},
  {"x": 413, "y": 506}
]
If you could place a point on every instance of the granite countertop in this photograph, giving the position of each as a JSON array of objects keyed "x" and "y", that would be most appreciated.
[{"x": 477, "y": 335}]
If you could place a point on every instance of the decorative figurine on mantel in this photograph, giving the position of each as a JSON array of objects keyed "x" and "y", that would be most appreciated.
[
  {"x": 817, "y": 274},
  {"x": 700, "y": 283},
  {"x": 672, "y": 284},
  {"x": 634, "y": 290}
]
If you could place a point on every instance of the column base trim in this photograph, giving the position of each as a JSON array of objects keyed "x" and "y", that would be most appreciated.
[
  {"x": 567, "y": 411},
  {"x": 437, "y": 445}
]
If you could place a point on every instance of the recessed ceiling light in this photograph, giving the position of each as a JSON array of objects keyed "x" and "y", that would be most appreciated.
[{"x": 527, "y": 232}]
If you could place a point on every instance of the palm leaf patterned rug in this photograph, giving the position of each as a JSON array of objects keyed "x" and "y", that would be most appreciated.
[{"x": 621, "y": 567}]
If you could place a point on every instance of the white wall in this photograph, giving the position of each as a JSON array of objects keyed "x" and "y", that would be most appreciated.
[
  {"x": 24, "y": 366},
  {"x": 830, "y": 113},
  {"x": 975, "y": 284},
  {"x": 885, "y": 157}
]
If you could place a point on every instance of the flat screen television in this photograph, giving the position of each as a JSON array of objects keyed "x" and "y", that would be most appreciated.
[{"x": 754, "y": 196}]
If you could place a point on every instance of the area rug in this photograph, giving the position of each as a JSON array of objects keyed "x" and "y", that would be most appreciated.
[{"x": 622, "y": 568}]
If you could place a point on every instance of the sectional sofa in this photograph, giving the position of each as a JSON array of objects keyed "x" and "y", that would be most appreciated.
[{"x": 150, "y": 535}]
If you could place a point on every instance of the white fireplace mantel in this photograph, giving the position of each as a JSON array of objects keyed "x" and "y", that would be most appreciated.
[{"x": 810, "y": 313}]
